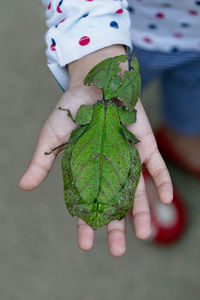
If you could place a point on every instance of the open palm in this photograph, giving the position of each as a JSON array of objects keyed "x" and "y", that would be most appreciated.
[{"x": 57, "y": 130}]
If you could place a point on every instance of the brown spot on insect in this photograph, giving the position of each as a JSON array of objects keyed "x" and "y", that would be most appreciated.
[
  {"x": 85, "y": 211},
  {"x": 108, "y": 213},
  {"x": 117, "y": 102}
]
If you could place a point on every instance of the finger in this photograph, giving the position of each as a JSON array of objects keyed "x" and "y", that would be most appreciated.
[
  {"x": 116, "y": 237},
  {"x": 141, "y": 212},
  {"x": 151, "y": 157},
  {"x": 85, "y": 235},
  {"x": 55, "y": 132},
  {"x": 158, "y": 170},
  {"x": 41, "y": 164}
]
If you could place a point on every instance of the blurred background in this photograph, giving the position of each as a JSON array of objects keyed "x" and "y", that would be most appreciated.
[{"x": 39, "y": 257}]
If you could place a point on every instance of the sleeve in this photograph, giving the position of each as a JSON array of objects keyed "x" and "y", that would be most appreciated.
[{"x": 78, "y": 28}]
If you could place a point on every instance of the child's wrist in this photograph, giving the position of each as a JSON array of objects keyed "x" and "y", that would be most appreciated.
[{"x": 79, "y": 68}]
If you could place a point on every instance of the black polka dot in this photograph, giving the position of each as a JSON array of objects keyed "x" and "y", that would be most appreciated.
[
  {"x": 130, "y": 9},
  {"x": 85, "y": 15},
  {"x": 184, "y": 24},
  {"x": 197, "y": 2},
  {"x": 53, "y": 42},
  {"x": 152, "y": 26},
  {"x": 174, "y": 50}
]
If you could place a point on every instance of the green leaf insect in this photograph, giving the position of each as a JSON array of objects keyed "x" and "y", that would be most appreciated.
[{"x": 101, "y": 166}]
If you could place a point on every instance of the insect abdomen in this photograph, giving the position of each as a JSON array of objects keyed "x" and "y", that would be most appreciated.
[{"x": 100, "y": 159}]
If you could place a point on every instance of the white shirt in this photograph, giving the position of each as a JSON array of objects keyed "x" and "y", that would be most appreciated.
[{"x": 80, "y": 27}]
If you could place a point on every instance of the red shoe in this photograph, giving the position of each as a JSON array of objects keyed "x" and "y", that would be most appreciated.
[
  {"x": 168, "y": 221},
  {"x": 169, "y": 152}
]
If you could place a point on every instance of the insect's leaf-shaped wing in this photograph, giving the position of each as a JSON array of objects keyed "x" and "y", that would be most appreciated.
[
  {"x": 113, "y": 86},
  {"x": 100, "y": 159},
  {"x": 102, "y": 74},
  {"x": 129, "y": 91}
]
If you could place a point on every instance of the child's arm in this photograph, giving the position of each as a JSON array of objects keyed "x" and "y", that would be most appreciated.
[
  {"x": 78, "y": 28},
  {"x": 56, "y": 131}
]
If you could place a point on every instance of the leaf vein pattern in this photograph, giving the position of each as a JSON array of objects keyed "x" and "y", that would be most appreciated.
[
  {"x": 114, "y": 168},
  {"x": 130, "y": 81},
  {"x": 82, "y": 149},
  {"x": 113, "y": 127},
  {"x": 115, "y": 146},
  {"x": 109, "y": 67},
  {"x": 95, "y": 125},
  {"x": 102, "y": 145},
  {"x": 102, "y": 191},
  {"x": 108, "y": 184},
  {"x": 86, "y": 165},
  {"x": 85, "y": 185}
]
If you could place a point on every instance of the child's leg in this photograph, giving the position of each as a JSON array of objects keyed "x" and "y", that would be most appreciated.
[
  {"x": 181, "y": 108},
  {"x": 169, "y": 222},
  {"x": 148, "y": 66},
  {"x": 181, "y": 94},
  {"x": 180, "y": 76}
]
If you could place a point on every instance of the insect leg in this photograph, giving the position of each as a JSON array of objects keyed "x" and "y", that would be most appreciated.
[
  {"x": 68, "y": 113},
  {"x": 47, "y": 153}
]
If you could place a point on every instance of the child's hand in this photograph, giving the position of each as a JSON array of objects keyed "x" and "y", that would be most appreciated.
[{"x": 57, "y": 130}]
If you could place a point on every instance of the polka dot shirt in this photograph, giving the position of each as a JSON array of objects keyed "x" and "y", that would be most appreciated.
[
  {"x": 79, "y": 27},
  {"x": 165, "y": 25}
]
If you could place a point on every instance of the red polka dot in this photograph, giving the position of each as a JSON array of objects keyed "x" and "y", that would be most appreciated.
[
  {"x": 49, "y": 6},
  {"x": 147, "y": 40},
  {"x": 59, "y": 10},
  {"x": 193, "y": 12},
  {"x": 160, "y": 15},
  {"x": 119, "y": 11},
  {"x": 53, "y": 47},
  {"x": 62, "y": 20},
  {"x": 178, "y": 34},
  {"x": 84, "y": 40}
]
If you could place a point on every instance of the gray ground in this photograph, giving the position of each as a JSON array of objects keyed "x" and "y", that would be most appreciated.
[{"x": 39, "y": 257}]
